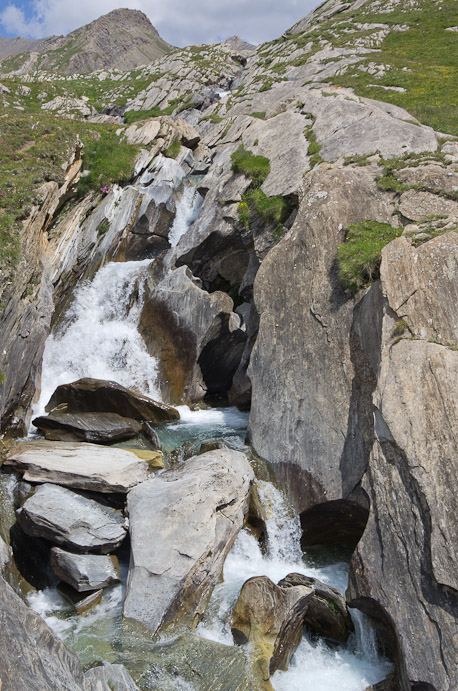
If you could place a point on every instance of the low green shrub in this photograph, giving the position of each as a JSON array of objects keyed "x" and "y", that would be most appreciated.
[{"x": 359, "y": 256}]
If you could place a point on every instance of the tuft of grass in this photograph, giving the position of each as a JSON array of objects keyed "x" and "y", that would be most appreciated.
[
  {"x": 174, "y": 149},
  {"x": 257, "y": 168},
  {"x": 314, "y": 147},
  {"x": 108, "y": 160},
  {"x": 359, "y": 256},
  {"x": 258, "y": 114},
  {"x": 10, "y": 246}
]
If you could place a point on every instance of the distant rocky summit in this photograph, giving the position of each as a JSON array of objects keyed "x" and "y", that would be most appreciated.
[{"x": 122, "y": 39}]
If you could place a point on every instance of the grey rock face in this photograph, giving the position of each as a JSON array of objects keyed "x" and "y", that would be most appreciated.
[
  {"x": 83, "y": 466},
  {"x": 302, "y": 369},
  {"x": 96, "y": 395},
  {"x": 66, "y": 518},
  {"x": 31, "y": 655},
  {"x": 182, "y": 525},
  {"x": 98, "y": 428},
  {"x": 109, "y": 677},
  {"x": 195, "y": 335},
  {"x": 409, "y": 539},
  {"x": 85, "y": 571}
]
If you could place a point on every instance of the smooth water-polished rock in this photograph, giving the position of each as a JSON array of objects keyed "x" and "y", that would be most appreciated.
[
  {"x": 79, "y": 465},
  {"x": 107, "y": 677},
  {"x": 98, "y": 428},
  {"x": 31, "y": 656},
  {"x": 66, "y": 518},
  {"x": 271, "y": 617},
  {"x": 217, "y": 667},
  {"x": 85, "y": 571},
  {"x": 182, "y": 524},
  {"x": 96, "y": 395}
]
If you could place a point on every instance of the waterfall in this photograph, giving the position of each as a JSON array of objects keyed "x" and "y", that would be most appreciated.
[
  {"x": 187, "y": 210},
  {"x": 99, "y": 338}
]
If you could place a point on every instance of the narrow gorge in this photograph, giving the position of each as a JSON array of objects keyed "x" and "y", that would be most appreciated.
[{"x": 229, "y": 357}]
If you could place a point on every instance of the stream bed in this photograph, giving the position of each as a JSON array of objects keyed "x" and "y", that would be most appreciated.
[{"x": 99, "y": 338}]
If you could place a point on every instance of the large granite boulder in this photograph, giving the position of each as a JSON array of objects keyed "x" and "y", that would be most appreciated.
[
  {"x": 67, "y": 518},
  {"x": 182, "y": 525},
  {"x": 31, "y": 655},
  {"x": 79, "y": 465},
  {"x": 95, "y": 395},
  {"x": 410, "y": 538},
  {"x": 309, "y": 416},
  {"x": 98, "y": 428},
  {"x": 85, "y": 571}
]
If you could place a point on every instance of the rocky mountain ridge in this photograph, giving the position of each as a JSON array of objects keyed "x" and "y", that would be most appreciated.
[
  {"x": 351, "y": 383},
  {"x": 122, "y": 37}
]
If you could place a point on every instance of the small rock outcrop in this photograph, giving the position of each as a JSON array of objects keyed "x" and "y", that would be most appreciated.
[
  {"x": 95, "y": 395},
  {"x": 66, "y": 518},
  {"x": 79, "y": 465},
  {"x": 85, "y": 571},
  {"x": 108, "y": 677},
  {"x": 182, "y": 525}
]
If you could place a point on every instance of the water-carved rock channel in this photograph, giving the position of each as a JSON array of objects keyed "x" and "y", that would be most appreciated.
[{"x": 98, "y": 339}]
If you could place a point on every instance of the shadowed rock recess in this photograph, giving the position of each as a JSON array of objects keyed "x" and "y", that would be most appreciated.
[{"x": 292, "y": 209}]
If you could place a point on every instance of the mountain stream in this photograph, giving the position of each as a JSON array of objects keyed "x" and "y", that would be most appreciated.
[{"x": 99, "y": 338}]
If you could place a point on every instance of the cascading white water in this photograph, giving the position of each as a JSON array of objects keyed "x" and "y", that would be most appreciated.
[
  {"x": 187, "y": 210},
  {"x": 315, "y": 665},
  {"x": 100, "y": 338}
]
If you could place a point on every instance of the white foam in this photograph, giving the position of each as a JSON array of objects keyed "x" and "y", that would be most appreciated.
[
  {"x": 212, "y": 417},
  {"x": 100, "y": 338}
]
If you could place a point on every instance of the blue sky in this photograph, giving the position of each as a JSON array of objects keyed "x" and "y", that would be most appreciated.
[{"x": 179, "y": 21}]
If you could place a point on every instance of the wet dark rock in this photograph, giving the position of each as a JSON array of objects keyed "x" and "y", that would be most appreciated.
[
  {"x": 98, "y": 428},
  {"x": 31, "y": 655},
  {"x": 79, "y": 465},
  {"x": 67, "y": 518},
  {"x": 81, "y": 602},
  {"x": 96, "y": 395},
  {"x": 85, "y": 571}
]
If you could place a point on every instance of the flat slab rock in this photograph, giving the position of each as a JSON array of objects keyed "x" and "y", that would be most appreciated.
[
  {"x": 182, "y": 524},
  {"x": 81, "y": 602},
  {"x": 66, "y": 518},
  {"x": 79, "y": 465},
  {"x": 85, "y": 571},
  {"x": 98, "y": 428},
  {"x": 97, "y": 395}
]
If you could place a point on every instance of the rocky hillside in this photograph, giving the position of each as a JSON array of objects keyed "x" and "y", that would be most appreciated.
[
  {"x": 121, "y": 39},
  {"x": 316, "y": 285}
]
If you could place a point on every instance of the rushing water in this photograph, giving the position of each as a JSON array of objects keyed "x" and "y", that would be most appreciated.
[{"x": 100, "y": 339}]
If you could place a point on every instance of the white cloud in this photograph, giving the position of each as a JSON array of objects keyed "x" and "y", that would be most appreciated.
[{"x": 180, "y": 22}]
